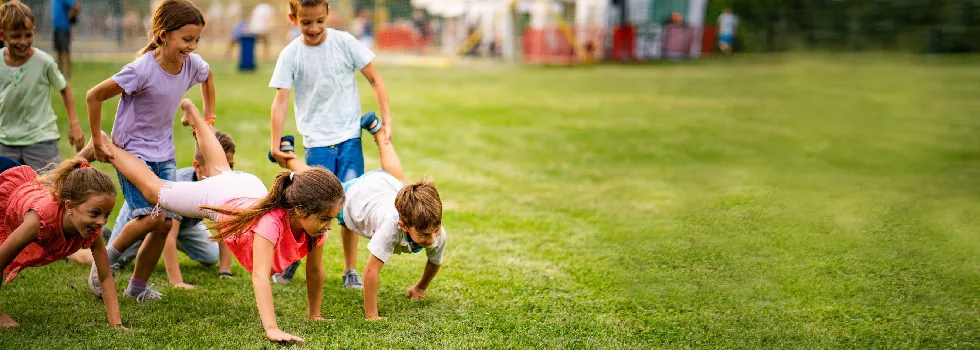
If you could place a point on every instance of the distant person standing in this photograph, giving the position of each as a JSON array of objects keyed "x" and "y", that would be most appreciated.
[
  {"x": 363, "y": 27},
  {"x": 63, "y": 14},
  {"x": 261, "y": 23},
  {"x": 727, "y": 23}
]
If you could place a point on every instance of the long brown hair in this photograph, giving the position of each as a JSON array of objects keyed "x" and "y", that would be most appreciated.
[
  {"x": 170, "y": 16},
  {"x": 73, "y": 180},
  {"x": 309, "y": 192}
]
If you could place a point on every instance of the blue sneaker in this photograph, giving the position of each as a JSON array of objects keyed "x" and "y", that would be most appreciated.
[
  {"x": 367, "y": 119},
  {"x": 285, "y": 148}
]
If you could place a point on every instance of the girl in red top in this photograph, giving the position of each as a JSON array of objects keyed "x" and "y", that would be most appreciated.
[
  {"x": 266, "y": 230},
  {"x": 46, "y": 218}
]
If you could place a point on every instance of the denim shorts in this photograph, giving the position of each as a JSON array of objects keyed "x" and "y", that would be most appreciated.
[
  {"x": 345, "y": 159},
  {"x": 165, "y": 170}
]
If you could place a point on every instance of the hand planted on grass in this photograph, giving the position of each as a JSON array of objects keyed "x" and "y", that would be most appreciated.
[
  {"x": 415, "y": 293},
  {"x": 280, "y": 336}
]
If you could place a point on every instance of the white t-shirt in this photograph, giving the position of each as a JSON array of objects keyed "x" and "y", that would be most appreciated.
[
  {"x": 369, "y": 210},
  {"x": 327, "y": 104},
  {"x": 727, "y": 23},
  {"x": 261, "y": 20}
]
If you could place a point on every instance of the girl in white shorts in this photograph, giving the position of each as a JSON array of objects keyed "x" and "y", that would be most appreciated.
[{"x": 266, "y": 230}]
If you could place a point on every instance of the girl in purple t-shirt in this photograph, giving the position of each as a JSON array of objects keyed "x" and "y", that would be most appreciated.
[{"x": 151, "y": 88}]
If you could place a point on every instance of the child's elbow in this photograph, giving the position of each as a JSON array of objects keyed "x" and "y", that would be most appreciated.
[{"x": 92, "y": 96}]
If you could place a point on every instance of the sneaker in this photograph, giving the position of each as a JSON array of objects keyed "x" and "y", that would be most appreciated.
[
  {"x": 93, "y": 279},
  {"x": 289, "y": 147},
  {"x": 146, "y": 295},
  {"x": 279, "y": 279},
  {"x": 370, "y": 118},
  {"x": 352, "y": 280}
]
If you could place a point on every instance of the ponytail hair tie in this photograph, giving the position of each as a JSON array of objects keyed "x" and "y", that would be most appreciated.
[
  {"x": 84, "y": 165},
  {"x": 291, "y": 175}
]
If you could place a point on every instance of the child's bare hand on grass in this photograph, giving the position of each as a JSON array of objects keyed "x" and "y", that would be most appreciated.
[{"x": 415, "y": 293}]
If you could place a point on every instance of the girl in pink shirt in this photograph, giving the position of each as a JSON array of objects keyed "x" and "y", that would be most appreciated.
[
  {"x": 46, "y": 218},
  {"x": 266, "y": 230}
]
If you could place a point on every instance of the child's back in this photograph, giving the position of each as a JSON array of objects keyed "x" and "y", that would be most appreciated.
[
  {"x": 369, "y": 209},
  {"x": 369, "y": 204}
]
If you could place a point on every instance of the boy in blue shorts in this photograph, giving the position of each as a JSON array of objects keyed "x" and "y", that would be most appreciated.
[
  {"x": 320, "y": 66},
  {"x": 397, "y": 218}
]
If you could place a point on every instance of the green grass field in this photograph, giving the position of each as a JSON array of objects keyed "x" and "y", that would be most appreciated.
[{"x": 760, "y": 202}]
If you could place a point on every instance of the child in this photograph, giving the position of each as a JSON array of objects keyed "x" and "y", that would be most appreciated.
[
  {"x": 151, "y": 87},
  {"x": 192, "y": 234},
  {"x": 396, "y": 218},
  {"x": 64, "y": 14},
  {"x": 320, "y": 65},
  {"x": 266, "y": 231},
  {"x": 28, "y": 125},
  {"x": 47, "y": 218}
]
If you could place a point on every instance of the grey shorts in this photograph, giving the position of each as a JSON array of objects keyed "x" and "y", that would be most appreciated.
[
  {"x": 62, "y": 41},
  {"x": 36, "y": 156}
]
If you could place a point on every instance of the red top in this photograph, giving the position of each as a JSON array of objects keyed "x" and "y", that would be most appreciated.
[
  {"x": 273, "y": 226},
  {"x": 19, "y": 193}
]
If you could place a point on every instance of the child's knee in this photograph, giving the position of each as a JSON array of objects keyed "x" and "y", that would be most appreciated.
[{"x": 154, "y": 222}]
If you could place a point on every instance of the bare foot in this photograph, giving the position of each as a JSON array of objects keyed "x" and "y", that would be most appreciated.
[
  {"x": 82, "y": 256},
  {"x": 88, "y": 152},
  {"x": 184, "y": 286},
  {"x": 188, "y": 107},
  {"x": 7, "y": 322}
]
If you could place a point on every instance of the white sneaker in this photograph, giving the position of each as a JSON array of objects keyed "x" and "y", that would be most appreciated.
[{"x": 146, "y": 295}]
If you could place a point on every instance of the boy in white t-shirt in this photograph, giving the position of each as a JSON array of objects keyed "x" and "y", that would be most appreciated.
[
  {"x": 398, "y": 219},
  {"x": 320, "y": 66}
]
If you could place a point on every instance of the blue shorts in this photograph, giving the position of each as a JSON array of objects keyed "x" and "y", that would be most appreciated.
[
  {"x": 166, "y": 170},
  {"x": 727, "y": 39},
  {"x": 347, "y": 184},
  {"x": 345, "y": 159},
  {"x": 7, "y": 163}
]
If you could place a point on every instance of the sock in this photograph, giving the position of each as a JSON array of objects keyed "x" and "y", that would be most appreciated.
[
  {"x": 135, "y": 286},
  {"x": 113, "y": 254}
]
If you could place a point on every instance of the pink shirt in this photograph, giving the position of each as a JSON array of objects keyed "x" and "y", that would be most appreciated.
[
  {"x": 19, "y": 193},
  {"x": 274, "y": 227}
]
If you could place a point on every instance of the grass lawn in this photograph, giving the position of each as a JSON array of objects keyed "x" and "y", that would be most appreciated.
[{"x": 779, "y": 201}]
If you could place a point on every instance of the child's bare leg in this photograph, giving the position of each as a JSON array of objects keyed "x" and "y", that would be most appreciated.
[
  {"x": 150, "y": 251},
  {"x": 135, "y": 230},
  {"x": 88, "y": 153},
  {"x": 214, "y": 155},
  {"x": 389, "y": 159},
  {"x": 136, "y": 171}
]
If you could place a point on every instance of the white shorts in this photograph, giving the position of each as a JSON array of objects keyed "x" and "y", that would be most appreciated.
[{"x": 187, "y": 198}]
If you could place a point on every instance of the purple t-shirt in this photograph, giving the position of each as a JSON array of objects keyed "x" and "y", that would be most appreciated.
[{"x": 144, "y": 124}]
